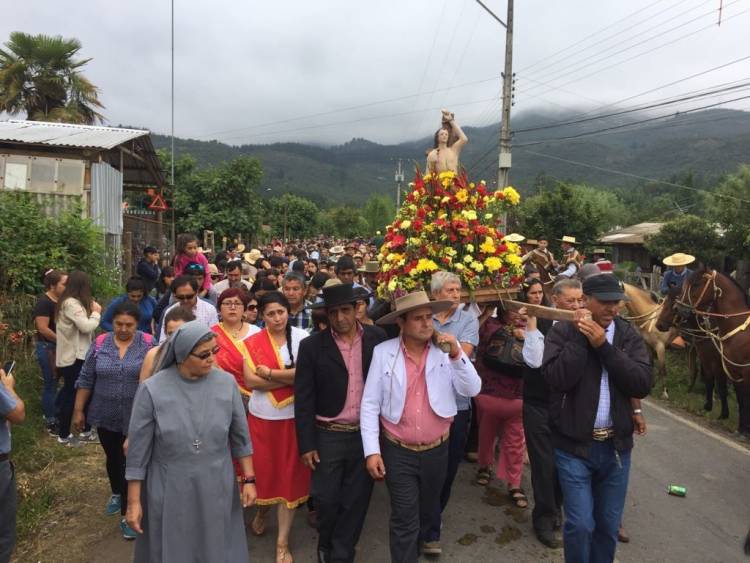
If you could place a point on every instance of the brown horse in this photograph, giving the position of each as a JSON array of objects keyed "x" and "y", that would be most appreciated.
[
  {"x": 723, "y": 315},
  {"x": 708, "y": 356},
  {"x": 642, "y": 311}
]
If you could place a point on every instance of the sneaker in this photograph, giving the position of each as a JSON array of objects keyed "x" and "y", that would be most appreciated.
[
  {"x": 431, "y": 548},
  {"x": 114, "y": 505},
  {"x": 91, "y": 437},
  {"x": 127, "y": 532},
  {"x": 64, "y": 441}
]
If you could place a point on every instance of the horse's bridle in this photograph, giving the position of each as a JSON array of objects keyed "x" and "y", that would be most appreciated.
[{"x": 686, "y": 301}]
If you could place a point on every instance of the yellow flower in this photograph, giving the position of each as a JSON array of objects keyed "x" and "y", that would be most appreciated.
[
  {"x": 459, "y": 267},
  {"x": 449, "y": 251},
  {"x": 512, "y": 195},
  {"x": 469, "y": 214},
  {"x": 493, "y": 263},
  {"x": 513, "y": 248},
  {"x": 470, "y": 248},
  {"x": 415, "y": 241},
  {"x": 488, "y": 215},
  {"x": 405, "y": 224},
  {"x": 477, "y": 266},
  {"x": 514, "y": 260},
  {"x": 468, "y": 258},
  {"x": 426, "y": 265},
  {"x": 392, "y": 284},
  {"x": 488, "y": 246},
  {"x": 445, "y": 199},
  {"x": 462, "y": 195}
]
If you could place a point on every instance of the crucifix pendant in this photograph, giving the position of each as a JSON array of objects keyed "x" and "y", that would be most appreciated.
[{"x": 197, "y": 444}]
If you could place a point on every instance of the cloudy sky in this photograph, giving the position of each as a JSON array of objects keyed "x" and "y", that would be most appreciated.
[{"x": 327, "y": 71}]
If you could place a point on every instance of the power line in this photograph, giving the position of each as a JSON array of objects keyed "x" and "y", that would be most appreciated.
[
  {"x": 636, "y": 176},
  {"x": 616, "y": 127}
]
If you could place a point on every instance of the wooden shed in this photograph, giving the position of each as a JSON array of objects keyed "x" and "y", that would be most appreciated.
[{"x": 627, "y": 244}]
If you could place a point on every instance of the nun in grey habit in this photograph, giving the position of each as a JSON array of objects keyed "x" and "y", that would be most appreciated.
[{"x": 187, "y": 423}]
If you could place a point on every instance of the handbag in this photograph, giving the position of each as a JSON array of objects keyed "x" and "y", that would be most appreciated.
[{"x": 504, "y": 353}]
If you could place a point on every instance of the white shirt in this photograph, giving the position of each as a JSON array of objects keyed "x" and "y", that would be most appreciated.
[
  {"x": 224, "y": 284},
  {"x": 533, "y": 348},
  {"x": 203, "y": 311},
  {"x": 260, "y": 404}
]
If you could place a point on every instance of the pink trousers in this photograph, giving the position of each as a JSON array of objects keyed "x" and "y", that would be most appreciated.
[{"x": 501, "y": 418}]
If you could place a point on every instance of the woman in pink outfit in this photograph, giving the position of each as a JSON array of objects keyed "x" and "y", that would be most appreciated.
[{"x": 186, "y": 249}]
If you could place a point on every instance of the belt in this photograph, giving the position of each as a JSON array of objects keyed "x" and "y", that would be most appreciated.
[
  {"x": 4, "y": 457},
  {"x": 416, "y": 447},
  {"x": 603, "y": 434},
  {"x": 336, "y": 426}
]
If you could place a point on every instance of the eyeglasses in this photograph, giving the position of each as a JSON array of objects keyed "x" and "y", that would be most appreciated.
[
  {"x": 252, "y": 307},
  {"x": 207, "y": 354},
  {"x": 232, "y": 304},
  {"x": 185, "y": 297},
  {"x": 215, "y": 276}
]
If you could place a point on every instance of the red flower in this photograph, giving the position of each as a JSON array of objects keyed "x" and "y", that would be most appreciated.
[
  {"x": 398, "y": 240},
  {"x": 418, "y": 224}
]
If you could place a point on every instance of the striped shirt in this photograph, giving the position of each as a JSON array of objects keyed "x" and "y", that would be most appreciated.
[{"x": 603, "y": 413}]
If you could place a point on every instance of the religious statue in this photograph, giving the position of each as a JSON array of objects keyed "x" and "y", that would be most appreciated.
[{"x": 449, "y": 140}]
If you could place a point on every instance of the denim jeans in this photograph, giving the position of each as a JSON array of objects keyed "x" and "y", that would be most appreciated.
[
  {"x": 45, "y": 354},
  {"x": 593, "y": 501}
]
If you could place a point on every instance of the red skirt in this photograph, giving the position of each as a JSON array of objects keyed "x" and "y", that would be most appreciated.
[{"x": 281, "y": 477}]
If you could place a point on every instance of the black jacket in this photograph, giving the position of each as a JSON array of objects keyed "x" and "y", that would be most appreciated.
[
  {"x": 573, "y": 368},
  {"x": 535, "y": 389},
  {"x": 149, "y": 273},
  {"x": 321, "y": 380}
]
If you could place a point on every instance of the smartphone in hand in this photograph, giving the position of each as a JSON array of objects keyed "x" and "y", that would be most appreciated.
[{"x": 9, "y": 366}]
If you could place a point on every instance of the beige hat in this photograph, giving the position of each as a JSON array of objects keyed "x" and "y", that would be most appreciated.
[
  {"x": 332, "y": 281},
  {"x": 532, "y": 241},
  {"x": 240, "y": 248},
  {"x": 599, "y": 251},
  {"x": 213, "y": 269},
  {"x": 411, "y": 302},
  {"x": 679, "y": 259},
  {"x": 337, "y": 249},
  {"x": 568, "y": 239},
  {"x": 370, "y": 267},
  {"x": 515, "y": 237},
  {"x": 253, "y": 256}
]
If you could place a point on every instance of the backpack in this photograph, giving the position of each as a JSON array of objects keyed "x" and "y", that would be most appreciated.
[{"x": 504, "y": 353}]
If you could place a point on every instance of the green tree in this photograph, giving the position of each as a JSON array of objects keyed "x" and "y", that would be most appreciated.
[
  {"x": 379, "y": 211},
  {"x": 730, "y": 208},
  {"x": 298, "y": 214},
  {"x": 577, "y": 210},
  {"x": 41, "y": 76},
  {"x": 342, "y": 222},
  {"x": 223, "y": 199},
  {"x": 31, "y": 243},
  {"x": 687, "y": 233}
]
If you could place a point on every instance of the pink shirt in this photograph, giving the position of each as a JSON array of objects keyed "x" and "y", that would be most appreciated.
[
  {"x": 182, "y": 260},
  {"x": 419, "y": 424},
  {"x": 352, "y": 354}
]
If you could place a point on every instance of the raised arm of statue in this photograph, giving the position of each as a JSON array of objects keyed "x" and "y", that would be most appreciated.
[{"x": 449, "y": 140}]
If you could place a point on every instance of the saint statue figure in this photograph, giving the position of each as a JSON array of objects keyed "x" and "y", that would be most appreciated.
[{"x": 449, "y": 140}]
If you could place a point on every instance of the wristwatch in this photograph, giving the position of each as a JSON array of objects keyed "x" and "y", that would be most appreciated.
[{"x": 248, "y": 480}]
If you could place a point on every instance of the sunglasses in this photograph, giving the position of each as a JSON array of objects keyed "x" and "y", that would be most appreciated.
[
  {"x": 184, "y": 297},
  {"x": 207, "y": 354},
  {"x": 252, "y": 307},
  {"x": 215, "y": 276}
]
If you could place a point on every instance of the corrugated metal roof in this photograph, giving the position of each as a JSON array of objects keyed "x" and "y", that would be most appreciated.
[
  {"x": 634, "y": 234},
  {"x": 66, "y": 134}
]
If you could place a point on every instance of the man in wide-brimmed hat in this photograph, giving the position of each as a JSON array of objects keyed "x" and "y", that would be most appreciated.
[
  {"x": 328, "y": 385},
  {"x": 678, "y": 272},
  {"x": 571, "y": 260},
  {"x": 544, "y": 257},
  {"x": 410, "y": 392}
]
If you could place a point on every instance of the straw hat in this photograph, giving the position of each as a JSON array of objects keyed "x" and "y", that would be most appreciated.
[
  {"x": 568, "y": 239},
  {"x": 515, "y": 237},
  {"x": 532, "y": 241},
  {"x": 253, "y": 256},
  {"x": 213, "y": 269},
  {"x": 240, "y": 248},
  {"x": 370, "y": 267},
  {"x": 338, "y": 249},
  {"x": 332, "y": 282},
  {"x": 600, "y": 251},
  {"x": 411, "y": 302},
  {"x": 679, "y": 259}
]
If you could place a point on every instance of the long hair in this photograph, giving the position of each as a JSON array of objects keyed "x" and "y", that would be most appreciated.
[
  {"x": 278, "y": 297},
  {"x": 182, "y": 241},
  {"x": 78, "y": 287}
]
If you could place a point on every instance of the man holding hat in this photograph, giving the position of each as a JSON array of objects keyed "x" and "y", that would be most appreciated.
[
  {"x": 594, "y": 367},
  {"x": 410, "y": 392},
  {"x": 328, "y": 385},
  {"x": 678, "y": 273}
]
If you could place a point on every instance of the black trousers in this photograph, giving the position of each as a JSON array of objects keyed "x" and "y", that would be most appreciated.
[
  {"x": 544, "y": 481},
  {"x": 66, "y": 396},
  {"x": 112, "y": 446},
  {"x": 341, "y": 487},
  {"x": 8, "y": 500},
  {"x": 414, "y": 480}
]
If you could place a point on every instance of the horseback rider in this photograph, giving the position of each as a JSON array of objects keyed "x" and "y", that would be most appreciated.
[
  {"x": 678, "y": 273},
  {"x": 571, "y": 260},
  {"x": 543, "y": 257},
  {"x": 602, "y": 262}
]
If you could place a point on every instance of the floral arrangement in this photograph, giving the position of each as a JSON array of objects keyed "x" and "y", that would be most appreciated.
[{"x": 448, "y": 223}]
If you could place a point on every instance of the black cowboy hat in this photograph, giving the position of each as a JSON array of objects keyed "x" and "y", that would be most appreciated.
[{"x": 337, "y": 294}]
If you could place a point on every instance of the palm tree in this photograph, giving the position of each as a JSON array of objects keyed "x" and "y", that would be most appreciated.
[{"x": 40, "y": 76}]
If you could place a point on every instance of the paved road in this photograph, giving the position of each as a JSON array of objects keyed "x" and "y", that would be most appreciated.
[{"x": 707, "y": 526}]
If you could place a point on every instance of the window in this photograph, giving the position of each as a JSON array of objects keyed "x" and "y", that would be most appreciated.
[
  {"x": 15, "y": 175},
  {"x": 42, "y": 175},
  {"x": 70, "y": 176}
]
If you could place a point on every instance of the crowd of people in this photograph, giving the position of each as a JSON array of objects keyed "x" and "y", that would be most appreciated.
[{"x": 278, "y": 376}]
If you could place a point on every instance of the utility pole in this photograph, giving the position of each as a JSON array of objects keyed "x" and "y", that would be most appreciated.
[
  {"x": 399, "y": 181},
  {"x": 504, "y": 158}
]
